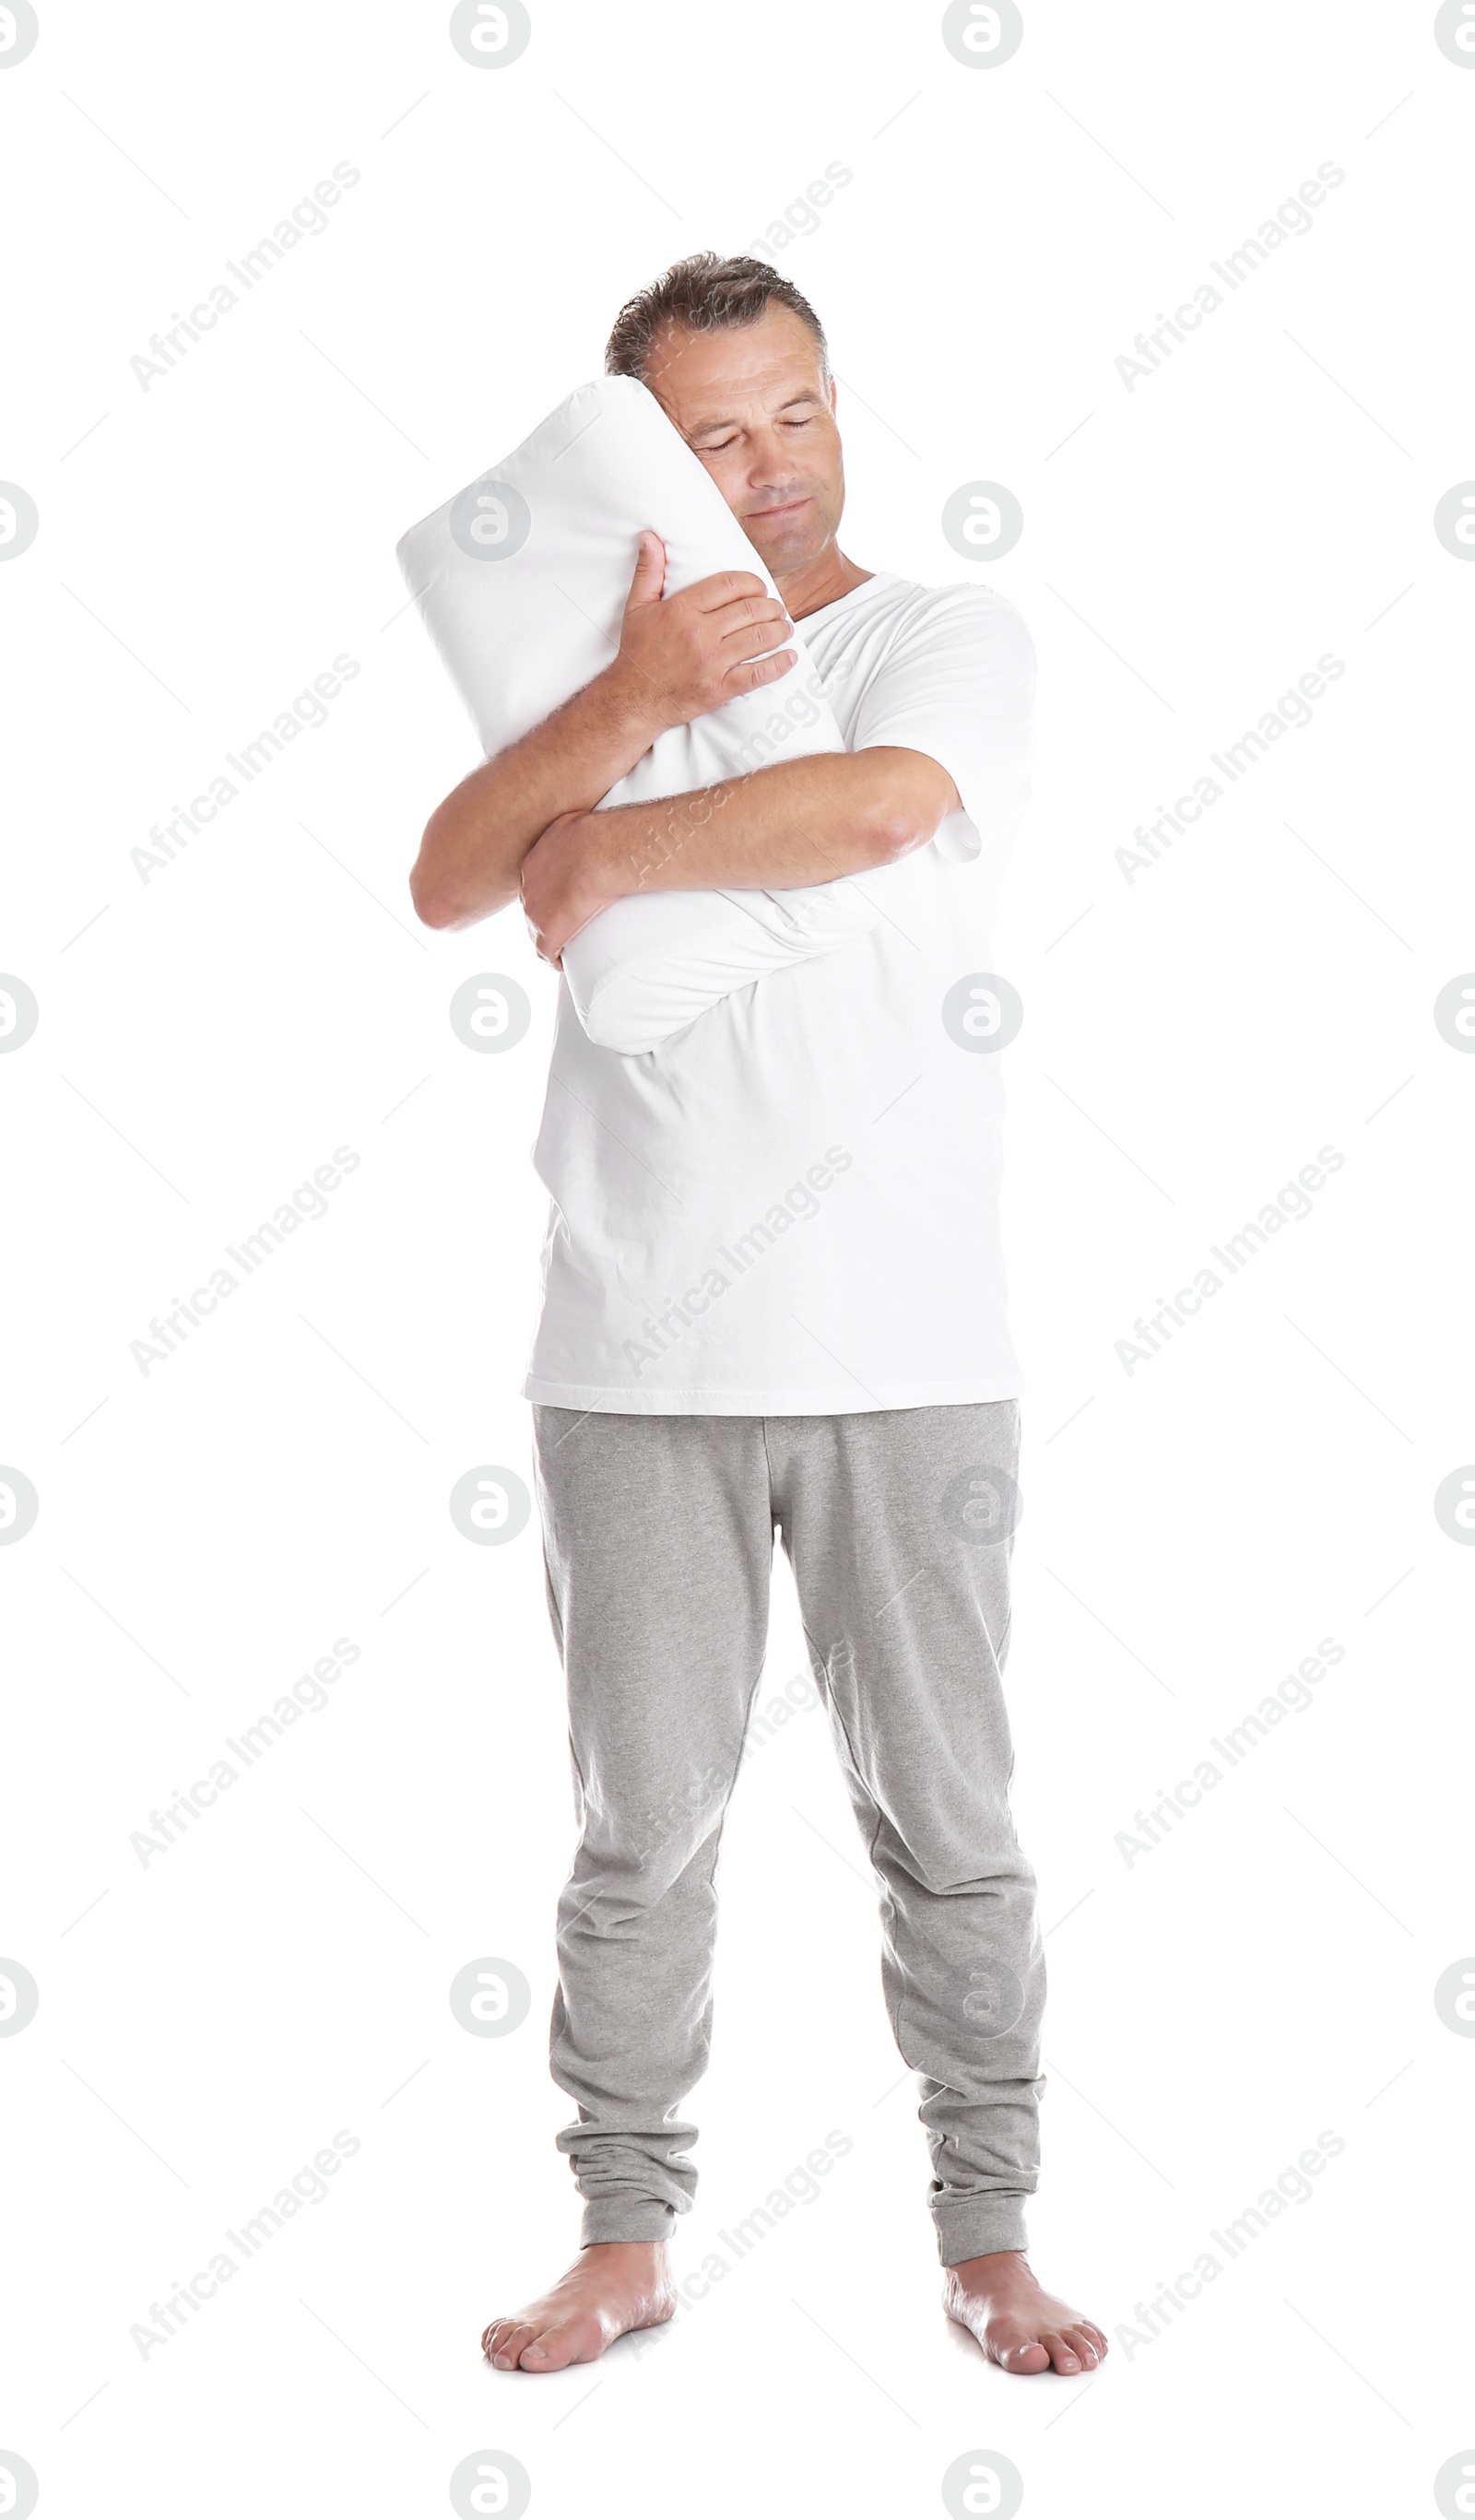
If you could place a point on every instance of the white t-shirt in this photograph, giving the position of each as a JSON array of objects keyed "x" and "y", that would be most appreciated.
[{"x": 791, "y": 1207}]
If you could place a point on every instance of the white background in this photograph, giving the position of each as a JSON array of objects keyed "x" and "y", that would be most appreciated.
[{"x": 1193, "y": 1529}]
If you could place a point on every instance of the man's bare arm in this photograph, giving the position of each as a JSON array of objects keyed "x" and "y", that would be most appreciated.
[
  {"x": 677, "y": 658},
  {"x": 470, "y": 857},
  {"x": 793, "y": 823}
]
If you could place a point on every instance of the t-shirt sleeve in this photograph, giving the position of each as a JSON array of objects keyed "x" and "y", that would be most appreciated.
[{"x": 960, "y": 684}]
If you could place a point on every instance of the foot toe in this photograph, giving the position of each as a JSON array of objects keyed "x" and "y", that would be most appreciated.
[
  {"x": 1015, "y": 2352},
  {"x": 1083, "y": 2345},
  {"x": 507, "y": 2344},
  {"x": 555, "y": 2348},
  {"x": 1062, "y": 2355}
]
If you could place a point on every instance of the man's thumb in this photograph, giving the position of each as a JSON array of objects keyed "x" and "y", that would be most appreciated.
[{"x": 649, "y": 569}]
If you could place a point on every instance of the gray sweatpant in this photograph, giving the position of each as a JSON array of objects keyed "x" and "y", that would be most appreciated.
[{"x": 658, "y": 1537}]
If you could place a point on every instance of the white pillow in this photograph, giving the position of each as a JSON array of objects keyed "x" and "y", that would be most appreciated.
[{"x": 521, "y": 581}]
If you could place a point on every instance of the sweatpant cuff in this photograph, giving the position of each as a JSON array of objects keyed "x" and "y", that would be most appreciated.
[
  {"x": 975, "y": 2227},
  {"x": 624, "y": 2218}
]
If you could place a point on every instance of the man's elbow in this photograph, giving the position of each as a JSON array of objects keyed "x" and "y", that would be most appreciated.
[
  {"x": 902, "y": 824},
  {"x": 440, "y": 890},
  {"x": 908, "y": 807},
  {"x": 428, "y": 894},
  {"x": 896, "y": 831}
]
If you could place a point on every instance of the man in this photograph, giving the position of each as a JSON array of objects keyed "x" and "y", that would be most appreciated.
[{"x": 773, "y": 1300}]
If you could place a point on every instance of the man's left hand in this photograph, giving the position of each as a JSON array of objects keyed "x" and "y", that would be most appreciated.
[{"x": 560, "y": 894}]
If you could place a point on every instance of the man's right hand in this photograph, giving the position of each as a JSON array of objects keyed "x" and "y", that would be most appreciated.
[
  {"x": 684, "y": 654},
  {"x": 676, "y": 659}
]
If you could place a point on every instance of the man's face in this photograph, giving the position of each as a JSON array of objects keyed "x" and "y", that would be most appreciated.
[{"x": 753, "y": 403}]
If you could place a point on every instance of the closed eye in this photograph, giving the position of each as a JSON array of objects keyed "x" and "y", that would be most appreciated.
[{"x": 720, "y": 445}]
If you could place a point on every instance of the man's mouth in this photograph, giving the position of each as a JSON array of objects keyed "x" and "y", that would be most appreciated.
[{"x": 788, "y": 507}]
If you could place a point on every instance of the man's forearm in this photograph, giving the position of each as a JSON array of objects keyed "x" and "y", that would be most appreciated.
[
  {"x": 470, "y": 857},
  {"x": 793, "y": 825},
  {"x": 796, "y": 823}
]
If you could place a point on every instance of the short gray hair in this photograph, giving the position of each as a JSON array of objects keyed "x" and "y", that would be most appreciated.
[{"x": 705, "y": 292}]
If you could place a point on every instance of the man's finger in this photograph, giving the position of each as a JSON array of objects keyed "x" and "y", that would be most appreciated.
[
  {"x": 764, "y": 612},
  {"x": 729, "y": 586},
  {"x": 751, "y": 678},
  {"x": 750, "y": 638},
  {"x": 649, "y": 570}
]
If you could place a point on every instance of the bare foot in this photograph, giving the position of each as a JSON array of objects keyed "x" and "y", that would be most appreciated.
[
  {"x": 612, "y": 2286},
  {"x": 1020, "y": 2327}
]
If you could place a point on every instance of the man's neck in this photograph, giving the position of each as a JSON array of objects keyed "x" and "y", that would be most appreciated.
[{"x": 817, "y": 583}]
